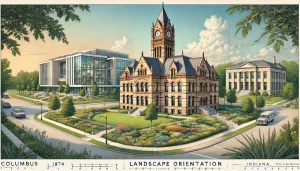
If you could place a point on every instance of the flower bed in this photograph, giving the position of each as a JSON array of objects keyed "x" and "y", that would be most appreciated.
[
  {"x": 238, "y": 117},
  {"x": 78, "y": 123},
  {"x": 169, "y": 135}
]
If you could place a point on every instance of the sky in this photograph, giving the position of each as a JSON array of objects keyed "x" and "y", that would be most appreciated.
[{"x": 127, "y": 28}]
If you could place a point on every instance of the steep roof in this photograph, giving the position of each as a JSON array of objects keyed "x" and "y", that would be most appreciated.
[
  {"x": 259, "y": 64},
  {"x": 163, "y": 18},
  {"x": 154, "y": 64}
]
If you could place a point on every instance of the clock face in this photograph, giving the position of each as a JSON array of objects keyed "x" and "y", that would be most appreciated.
[
  {"x": 169, "y": 34},
  {"x": 157, "y": 33}
]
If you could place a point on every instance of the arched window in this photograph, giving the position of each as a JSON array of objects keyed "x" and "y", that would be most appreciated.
[
  {"x": 173, "y": 101},
  {"x": 156, "y": 87},
  {"x": 179, "y": 87},
  {"x": 193, "y": 100},
  {"x": 146, "y": 87},
  {"x": 210, "y": 99},
  {"x": 123, "y": 87},
  {"x": 201, "y": 102},
  {"x": 193, "y": 87},
  {"x": 173, "y": 87},
  {"x": 189, "y": 87},
  {"x": 205, "y": 87},
  {"x": 179, "y": 101},
  {"x": 142, "y": 101},
  {"x": 215, "y": 88},
  {"x": 131, "y": 88},
  {"x": 146, "y": 100},
  {"x": 166, "y": 101},
  {"x": 210, "y": 87},
  {"x": 126, "y": 74},
  {"x": 137, "y": 87},
  {"x": 215, "y": 99},
  {"x": 123, "y": 98},
  {"x": 189, "y": 101},
  {"x": 127, "y": 99},
  {"x": 166, "y": 87},
  {"x": 142, "y": 87},
  {"x": 145, "y": 71},
  {"x": 173, "y": 73},
  {"x": 131, "y": 99},
  {"x": 201, "y": 87},
  {"x": 127, "y": 87},
  {"x": 156, "y": 100},
  {"x": 137, "y": 100}
]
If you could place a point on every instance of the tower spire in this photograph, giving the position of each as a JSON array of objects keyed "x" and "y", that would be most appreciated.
[{"x": 162, "y": 4}]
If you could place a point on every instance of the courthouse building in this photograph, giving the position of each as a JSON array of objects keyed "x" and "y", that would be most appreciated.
[
  {"x": 176, "y": 84},
  {"x": 257, "y": 75}
]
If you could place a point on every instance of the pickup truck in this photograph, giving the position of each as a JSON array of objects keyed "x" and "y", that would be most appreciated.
[{"x": 265, "y": 118}]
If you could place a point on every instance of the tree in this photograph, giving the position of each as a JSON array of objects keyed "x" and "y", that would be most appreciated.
[
  {"x": 5, "y": 76},
  {"x": 259, "y": 148},
  {"x": 48, "y": 90},
  {"x": 280, "y": 22},
  {"x": 28, "y": 88},
  {"x": 116, "y": 93},
  {"x": 265, "y": 93},
  {"x": 95, "y": 90},
  {"x": 260, "y": 102},
  {"x": 68, "y": 108},
  {"x": 151, "y": 113},
  {"x": 106, "y": 93},
  {"x": 17, "y": 21},
  {"x": 292, "y": 73},
  {"x": 231, "y": 97},
  {"x": 67, "y": 89},
  {"x": 60, "y": 88},
  {"x": 18, "y": 87},
  {"x": 221, "y": 71},
  {"x": 22, "y": 88},
  {"x": 247, "y": 105},
  {"x": 54, "y": 103},
  {"x": 288, "y": 91},
  {"x": 82, "y": 92},
  {"x": 38, "y": 88}
]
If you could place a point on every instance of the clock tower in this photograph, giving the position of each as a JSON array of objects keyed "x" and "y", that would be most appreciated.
[{"x": 162, "y": 37}]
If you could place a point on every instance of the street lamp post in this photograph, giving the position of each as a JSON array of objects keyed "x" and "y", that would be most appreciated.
[
  {"x": 41, "y": 111},
  {"x": 105, "y": 117}
]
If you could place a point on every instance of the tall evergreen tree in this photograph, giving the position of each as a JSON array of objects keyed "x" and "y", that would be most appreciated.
[
  {"x": 54, "y": 103},
  {"x": 231, "y": 97},
  {"x": 95, "y": 90},
  {"x": 151, "y": 113},
  {"x": 67, "y": 89},
  {"x": 60, "y": 89},
  {"x": 82, "y": 92}
]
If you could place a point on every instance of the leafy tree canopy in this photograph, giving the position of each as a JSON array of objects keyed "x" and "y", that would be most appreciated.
[
  {"x": 260, "y": 102},
  {"x": 221, "y": 70},
  {"x": 67, "y": 89},
  {"x": 151, "y": 113},
  {"x": 54, "y": 103},
  {"x": 231, "y": 97},
  {"x": 289, "y": 91},
  {"x": 5, "y": 76},
  {"x": 292, "y": 73},
  {"x": 247, "y": 105},
  {"x": 281, "y": 22},
  {"x": 95, "y": 90},
  {"x": 82, "y": 92},
  {"x": 68, "y": 108},
  {"x": 17, "y": 21}
]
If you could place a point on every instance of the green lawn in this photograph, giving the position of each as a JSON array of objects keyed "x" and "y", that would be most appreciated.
[
  {"x": 269, "y": 99},
  {"x": 114, "y": 119}
]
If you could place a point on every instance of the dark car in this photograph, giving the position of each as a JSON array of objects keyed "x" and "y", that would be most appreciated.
[
  {"x": 6, "y": 96},
  {"x": 18, "y": 113},
  {"x": 6, "y": 105}
]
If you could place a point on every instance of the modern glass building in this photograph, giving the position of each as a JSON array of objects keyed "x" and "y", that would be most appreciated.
[{"x": 84, "y": 69}]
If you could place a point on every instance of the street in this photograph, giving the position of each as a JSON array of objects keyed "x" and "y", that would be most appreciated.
[{"x": 283, "y": 115}]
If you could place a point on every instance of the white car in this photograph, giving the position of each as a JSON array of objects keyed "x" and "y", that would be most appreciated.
[{"x": 265, "y": 118}]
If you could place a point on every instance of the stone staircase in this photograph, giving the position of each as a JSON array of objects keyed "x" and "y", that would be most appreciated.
[
  {"x": 242, "y": 93},
  {"x": 138, "y": 112},
  {"x": 207, "y": 111}
]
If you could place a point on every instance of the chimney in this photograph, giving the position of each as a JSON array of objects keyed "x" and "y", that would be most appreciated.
[{"x": 274, "y": 59}]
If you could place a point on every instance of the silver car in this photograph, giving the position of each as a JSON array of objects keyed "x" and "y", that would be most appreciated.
[{"x": 18, "y": 113}]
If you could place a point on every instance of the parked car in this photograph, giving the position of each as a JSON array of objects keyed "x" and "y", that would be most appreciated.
[
  {"x": 6, "y": 96},
  {"x": 18, "y": 113},
  {"x": 265, "y": 118},
  {"x": 6, "y": 105}
]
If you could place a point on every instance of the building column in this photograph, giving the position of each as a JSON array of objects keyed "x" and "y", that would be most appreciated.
[
  {"x": 244, "y": 81},
  {"x": 238, "y": 80}
]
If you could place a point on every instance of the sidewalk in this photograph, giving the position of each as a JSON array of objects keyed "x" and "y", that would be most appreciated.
[
  {"x": 206, "y": 142},
  {"x": 31, "y": 99},
  {"x": 15, "y": 139}
]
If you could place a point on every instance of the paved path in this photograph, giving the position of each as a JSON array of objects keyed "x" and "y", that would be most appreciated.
[
  {"x": 55, "y": 136},
  {"x": 278, "y": 102},
  {"x": 14, "y": 139}
]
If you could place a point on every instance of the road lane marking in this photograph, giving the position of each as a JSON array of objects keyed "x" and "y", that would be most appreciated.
[
  {"x": 203, "y": 156},
  {"x": 218, "y": 146}
]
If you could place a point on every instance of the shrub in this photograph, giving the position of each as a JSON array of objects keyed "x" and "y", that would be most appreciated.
[
  {"x": 159, "y": 137},
  {"x": 113, "y": 107},
  {"x": 124, "y": 111},
  {"x": 265, "y": 93},
  {"x": 135, "y": 133},
  {"x": 121, "y": 128},
  {"x": 175, "y": 128},
  {"x": 248, "y": 105},
  {"x": 251, "y": 93}
]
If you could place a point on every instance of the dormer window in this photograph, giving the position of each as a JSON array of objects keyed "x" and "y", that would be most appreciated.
[
  {"x": 173, "y": 73},
  {"x": 126, "y": 75}
]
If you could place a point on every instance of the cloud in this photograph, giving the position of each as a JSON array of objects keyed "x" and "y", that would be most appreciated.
[
  {"x": 214, "y": 41},
  {"x": 294, "y": 50},
  {"x": 122, "y": 45}
]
